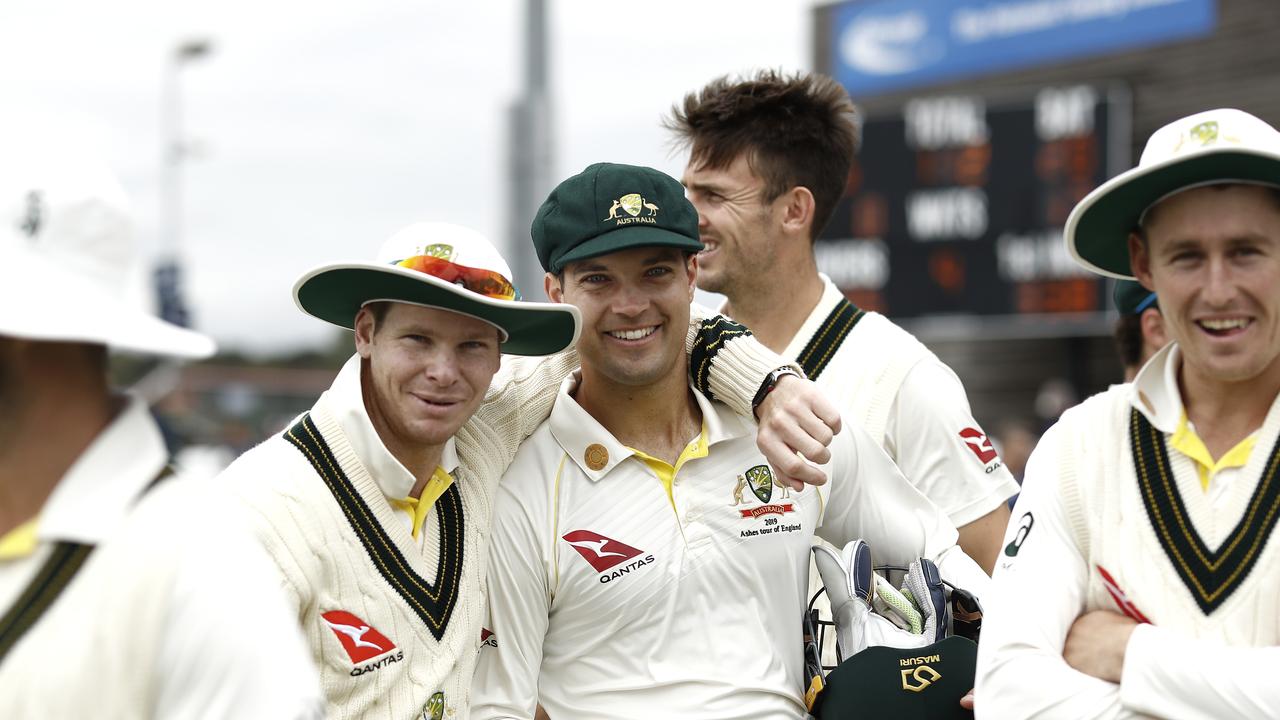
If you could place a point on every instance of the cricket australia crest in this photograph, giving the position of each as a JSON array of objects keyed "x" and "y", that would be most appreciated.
[
  {"x": 439, "y": 250},
  {"x": 760, "y": 479},
  {"x": 1206, "y": 133},
  {"x": 632, "y": 208}
]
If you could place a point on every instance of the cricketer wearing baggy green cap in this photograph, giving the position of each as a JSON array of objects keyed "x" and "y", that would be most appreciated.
[
  {"x": 610, "y": 207},
  {"x": 636, "y": 466}
]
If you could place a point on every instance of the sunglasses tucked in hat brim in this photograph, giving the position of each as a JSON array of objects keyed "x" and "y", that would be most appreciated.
[
  {"x": 335, "y": 293},
  {"x": 1098, "y": 229},
  {"x": 46, "y": 302},
  {"x": 624, "y": 239}
]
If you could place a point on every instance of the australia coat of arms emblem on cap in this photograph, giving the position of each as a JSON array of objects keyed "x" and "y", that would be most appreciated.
[{"x": 632, "y": 204}]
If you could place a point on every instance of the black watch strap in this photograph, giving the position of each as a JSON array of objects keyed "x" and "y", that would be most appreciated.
[{"x": 771, "y": 381}]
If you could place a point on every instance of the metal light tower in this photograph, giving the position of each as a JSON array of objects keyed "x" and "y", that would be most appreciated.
[
  {"x": 173, "y": 151},
  {"x": 529, "y": 152}
]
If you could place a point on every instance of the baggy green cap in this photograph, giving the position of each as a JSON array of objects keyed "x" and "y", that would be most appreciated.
[
  {"x": 610, "y": 207},
  {"x": 889, "y": 682}
]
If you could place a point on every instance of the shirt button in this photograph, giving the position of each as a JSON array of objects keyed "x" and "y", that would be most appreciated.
[{"x": 691, "y": 516}]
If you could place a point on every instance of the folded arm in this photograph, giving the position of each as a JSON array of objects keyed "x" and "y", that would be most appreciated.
[{"x": 1037, "y": 594}]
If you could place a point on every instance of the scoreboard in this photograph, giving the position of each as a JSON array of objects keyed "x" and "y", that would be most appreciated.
[{"x": 955, "y": 205}]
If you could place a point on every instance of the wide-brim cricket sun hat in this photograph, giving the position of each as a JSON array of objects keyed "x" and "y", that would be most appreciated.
[
  {"x": 1208, "y": 148},
  {"x": 442, "y": 266},
  {"x": 67, "y": 253}
]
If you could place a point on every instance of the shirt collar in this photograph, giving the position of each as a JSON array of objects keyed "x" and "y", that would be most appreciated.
[
  {"x": 104, "y": 482},
  {"x": 831, "y": 296},
  {"x": 579, "y": 434},
  {"x": 1155, "y": 389},
  {"x": 345, "y": 401}
]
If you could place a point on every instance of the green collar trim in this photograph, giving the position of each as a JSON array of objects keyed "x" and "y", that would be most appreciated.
[
  {"x": 432, "y": 602},
  {"x": 824, "y": 343},
  {"x": 1211, "y": 577}
]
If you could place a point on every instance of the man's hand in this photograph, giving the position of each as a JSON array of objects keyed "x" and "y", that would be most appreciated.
[
  {"x": 796, "y": 418},
  {"x": 1096, "y": 644}
]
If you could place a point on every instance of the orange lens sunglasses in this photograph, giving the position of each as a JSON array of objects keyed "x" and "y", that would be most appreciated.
[{"x": 481, "y": 282}]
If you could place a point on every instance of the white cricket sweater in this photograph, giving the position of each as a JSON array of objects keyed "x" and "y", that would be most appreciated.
[{"x": 1094, "y": 531}]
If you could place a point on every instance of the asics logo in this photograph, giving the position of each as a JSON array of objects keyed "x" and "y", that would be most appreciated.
[
  {"x": 360, "y": 640},
  {"x": 600, "y": 551}
]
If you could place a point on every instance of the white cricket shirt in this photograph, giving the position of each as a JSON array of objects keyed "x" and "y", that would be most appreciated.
[
  {"x": 611, "y": 599},
  {"x": 175, "y": 614},
  {"x": 910, "y": 402}
]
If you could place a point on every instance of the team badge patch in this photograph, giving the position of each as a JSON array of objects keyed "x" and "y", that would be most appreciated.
[
  {"x": 1205, "y": 133},
  {"x": 629, "y": 206},
  {"x": 439, "y": 250},
  {"x": 361, "y": 641},
  {"x": 760, "y": 479},
  {"x": 434, "y": 709}
]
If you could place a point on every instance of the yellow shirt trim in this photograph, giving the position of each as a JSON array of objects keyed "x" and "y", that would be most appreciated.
[
  {"x": 666, "y": 473},
  {"x": 416, "y": 508},
  {"x": 19, "y": 542},
  {"x": 1186, "y": 441}
]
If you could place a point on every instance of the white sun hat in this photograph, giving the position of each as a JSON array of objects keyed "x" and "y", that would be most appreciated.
[
  {"x": 1208, "y": 148},
  {"x": 67, "y": 251},
  {"x": 444, "y": 266}
]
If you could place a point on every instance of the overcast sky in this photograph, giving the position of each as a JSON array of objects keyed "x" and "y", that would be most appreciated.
[{"x": 321, "y": 128}]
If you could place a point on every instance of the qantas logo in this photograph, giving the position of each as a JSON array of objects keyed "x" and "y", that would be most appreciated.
[
  {"x": 602, "y": 552},
  {"x": 606, "y": 554},
  {"x": 979, "y": 444},
  {"x": 361, "y": 641}
]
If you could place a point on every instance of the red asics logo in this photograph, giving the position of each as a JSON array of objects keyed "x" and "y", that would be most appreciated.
[
  {"x": 602, "y": 552},
  {"x": 361, "y": 641},
  {"x": 979, "y": 444}
]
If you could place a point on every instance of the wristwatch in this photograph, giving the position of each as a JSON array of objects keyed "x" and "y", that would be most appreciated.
[{"x": 771, "y": 381}]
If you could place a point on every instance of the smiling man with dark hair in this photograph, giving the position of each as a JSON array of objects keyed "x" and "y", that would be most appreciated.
[{"x": 646, "y": 561}]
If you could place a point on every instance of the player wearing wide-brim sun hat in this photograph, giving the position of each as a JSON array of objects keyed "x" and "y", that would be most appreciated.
[
  {"x": 1208, "y": 148},
  {"x": 445, "y": 266},
  {"x": 96, "y": 540},
  {"x": 66, "y": 254}
]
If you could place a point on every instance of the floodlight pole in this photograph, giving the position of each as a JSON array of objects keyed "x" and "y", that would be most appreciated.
[
  {"x": 529, "y": 152},
  {"x": 173, "y": 151}
]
